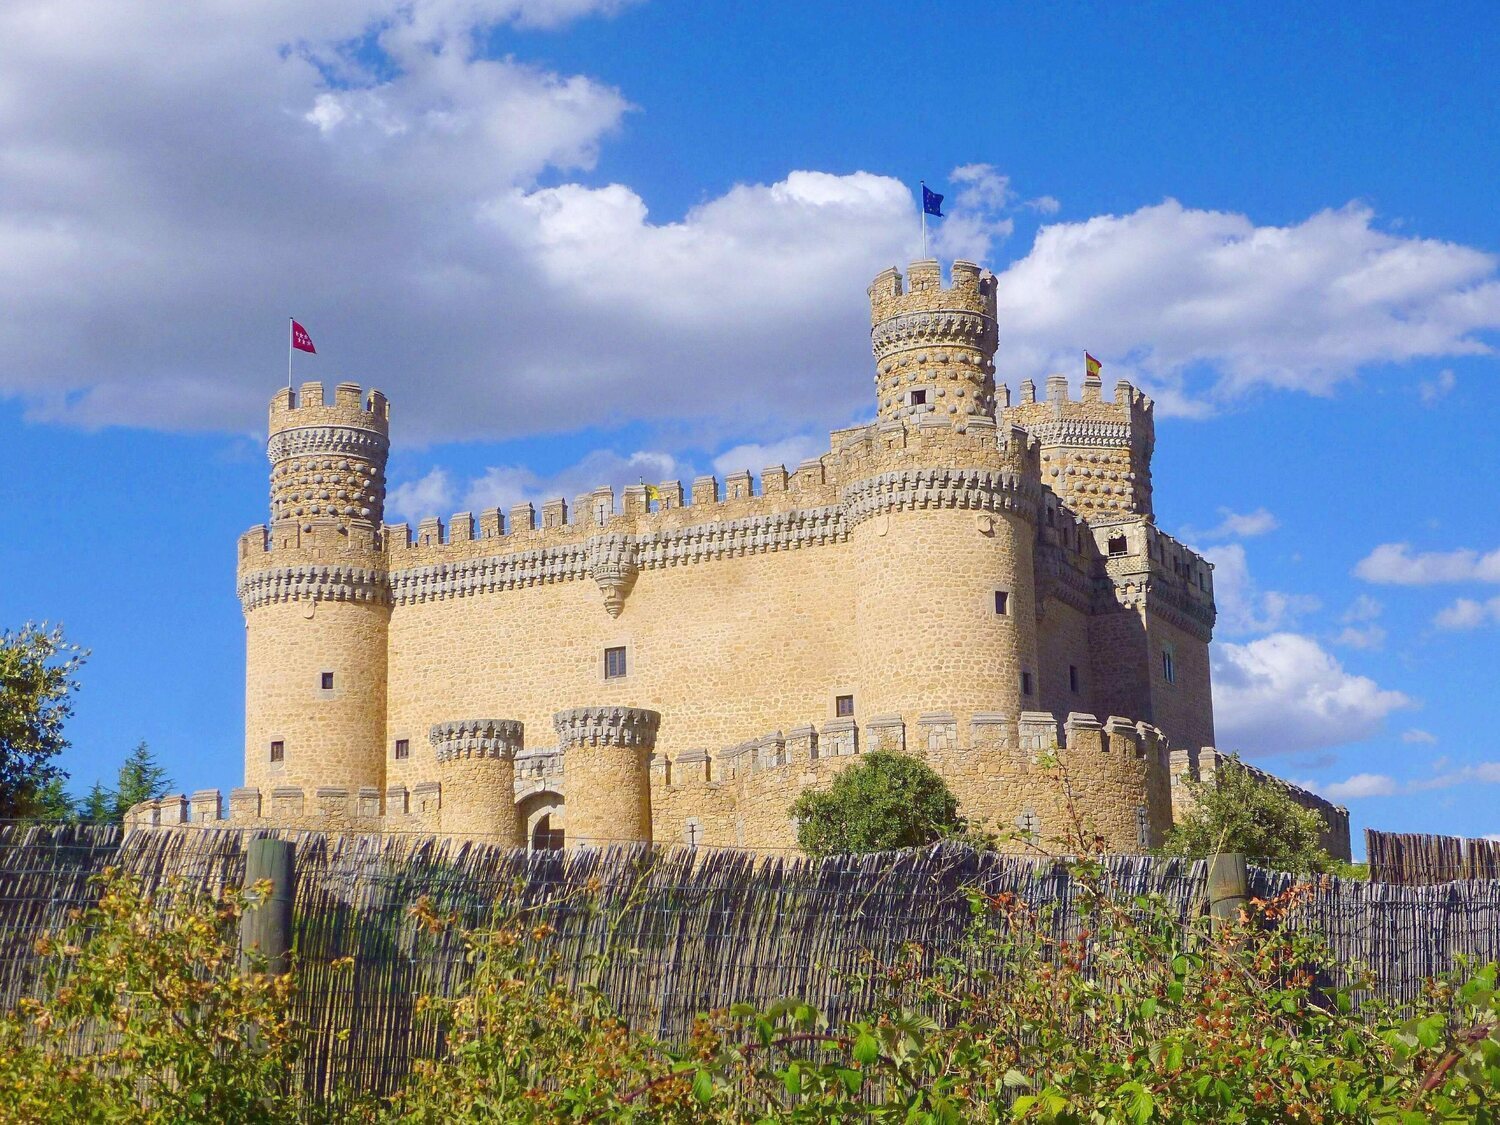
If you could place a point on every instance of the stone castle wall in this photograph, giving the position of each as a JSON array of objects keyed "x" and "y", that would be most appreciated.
[{"x": 960, "y": 552}]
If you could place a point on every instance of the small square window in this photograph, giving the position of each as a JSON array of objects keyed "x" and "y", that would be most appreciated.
[
  {"x": 843, "y": 706},
  {"x": 1073, "y": 678},
  {"x": 1002, "y": 602},
  {"x": 1025, "y": 683},
  {"x": 278, "y": 751},
  {"x": 1118, "y": 546},
  {"x": 614, "y": 663},
  {"x": 326, "y": 680},
  {"x": 919, "y": 398},
  {"x": 403, "y": 748}
]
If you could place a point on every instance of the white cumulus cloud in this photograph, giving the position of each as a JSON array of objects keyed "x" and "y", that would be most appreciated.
[
  {"x": 1418, "y": 735},
  {"x": 1285, "y": 692},
  {"x": 421, "y": 205},
  {"x": 1394, "y": 564},
  {"x": 1361, "y": 785},
  {"x": 429, "y": 495},
  {"x": 1466, "y": 613}
]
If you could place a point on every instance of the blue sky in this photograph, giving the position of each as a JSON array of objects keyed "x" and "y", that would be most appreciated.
[{"x": 581, "y": 242}]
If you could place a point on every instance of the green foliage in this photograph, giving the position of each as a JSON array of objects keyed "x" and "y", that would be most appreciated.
[
  {"x": 143, "y": 1016},
  {"x": 140, "y": 779},
  {"x": 1238, "y": 812},
  {"x": 1134, "y": 1018},
  {"x": 37, "y": 669},
  {"x": 884, "y": 801}
]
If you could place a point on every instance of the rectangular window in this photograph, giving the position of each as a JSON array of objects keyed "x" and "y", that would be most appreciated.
[
  {"x": 1002, "y": 602},
  {"x": 1073, "y": 677},
  {"x": 843, "y": 706},
  {"x": 1025, "y": 683},
  {"x": 919, "y": 398},
  {"x": 278, "y": 751},
  {"x": 614, "y": 663},
  {"x": 1168, "y": 666},
  {"x": 327, "y": 681},
  {"x": 403, "y": 748}
]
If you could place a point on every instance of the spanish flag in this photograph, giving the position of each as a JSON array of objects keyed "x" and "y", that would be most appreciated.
[
  {"x": 652, "y": 493},
  {"x": 1091, "y": 366}
]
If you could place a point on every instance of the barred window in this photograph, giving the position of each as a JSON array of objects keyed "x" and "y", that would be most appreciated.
[
  {"x": 843, "y": 706},
  {"x": 614, "y": 663},
  {"x": 278, "y": 751},
  {"x": 403, "y": 748},
  {"x": 326, "y": 681}
]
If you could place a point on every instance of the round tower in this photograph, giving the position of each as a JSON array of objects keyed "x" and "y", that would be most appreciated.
[
  {"x": 316, "y": 601},
  {"x": 476, "y": 766},
  {"x": 607, "y": 768},
  {"x": 934, "y": 346},
  {"x": 942, "y": 513}
]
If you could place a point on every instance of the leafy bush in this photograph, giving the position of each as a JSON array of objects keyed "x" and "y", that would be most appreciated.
[
  {"x": 1134, "y": 1018},
  {"x": 1238, "y": 812},
  {"x": 145, "y": 1016},
  {"x": 883, "y": 802}
]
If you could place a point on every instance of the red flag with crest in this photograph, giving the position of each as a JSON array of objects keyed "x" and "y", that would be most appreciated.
[{"x": 301, "y": 340}]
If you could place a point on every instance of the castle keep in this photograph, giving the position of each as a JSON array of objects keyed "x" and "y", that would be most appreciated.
[{"x": 975, "y": 576}]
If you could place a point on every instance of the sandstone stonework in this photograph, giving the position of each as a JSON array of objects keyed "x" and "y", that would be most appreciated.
[{"x": 970, "y": 578}]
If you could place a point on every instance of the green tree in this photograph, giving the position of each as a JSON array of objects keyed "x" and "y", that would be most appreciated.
[
  {"x": 884, "y": 801},
  {"x": 37, "y": 669},
  {"x": 140, "y": 779},
  {"x": 1241, "y": 812}
]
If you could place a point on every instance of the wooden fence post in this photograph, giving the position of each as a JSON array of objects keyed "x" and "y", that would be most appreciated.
[
  {"x": 1228, "y": 888},
  {"x": 267, "y": 927}
]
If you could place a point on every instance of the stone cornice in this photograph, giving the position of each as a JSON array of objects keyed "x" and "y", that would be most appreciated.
[
  {"x": 1056, "y": 578},
  {"x": 627, "y": 727},
  {"x": 477, "y": 738},
  {"x": 1177, "y": 608},
  {"x": 1078, "y": 431},
  {"x": 348, "y": 440},
  {"x": 983, "y": 490},
  {"x": 613, "y": 560},
  {"x": 315, "y": 583},
  {"x": 937, "y": 328}
]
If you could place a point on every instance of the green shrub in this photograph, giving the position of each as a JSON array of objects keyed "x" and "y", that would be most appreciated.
[{"x": 883, "y": 802}]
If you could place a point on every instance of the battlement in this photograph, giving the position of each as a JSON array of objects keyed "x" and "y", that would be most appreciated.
[
  {"x": 366, "y": 809},
  {"x": 934, "y": 732},
  {"x": 972, "y": 290},
  {"x": 349, "y": 406}
]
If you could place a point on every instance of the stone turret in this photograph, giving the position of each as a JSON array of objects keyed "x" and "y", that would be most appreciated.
[
  {"x": 606, "y": 760},
  {"x": 934, "y": 346},
  {"x": 316, "y": 600},
  {"x": 1095, "y": 453},
  {"x": 328, "y": 458},
  {"x": 476, "y": 767}
]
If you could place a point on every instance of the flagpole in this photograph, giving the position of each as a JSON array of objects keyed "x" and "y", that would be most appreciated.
[
  {"x": 922, "y": 203},
  {"x": 289, "y": 321}
]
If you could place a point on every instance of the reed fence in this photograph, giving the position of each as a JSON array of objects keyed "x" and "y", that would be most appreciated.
[
  {"x": 685, "y": 931},
  {"x": 1416, "y": 859}
]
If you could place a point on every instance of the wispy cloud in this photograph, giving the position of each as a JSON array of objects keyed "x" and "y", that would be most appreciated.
[
  {"x": 1439, "y": 387},
  {"x": 1236, "y": 525}
]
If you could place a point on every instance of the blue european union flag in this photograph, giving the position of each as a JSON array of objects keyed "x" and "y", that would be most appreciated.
[{"x": 932, "y": 202}]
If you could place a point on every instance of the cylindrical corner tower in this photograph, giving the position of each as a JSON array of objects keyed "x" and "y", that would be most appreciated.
[
  {"x": 934, "y": 346},
  {"x": 316, "y": 601},
  {"x": 476, "y": 767},
  {"x": 607, "y": 769},
  {"x": 942, "y": 518}
]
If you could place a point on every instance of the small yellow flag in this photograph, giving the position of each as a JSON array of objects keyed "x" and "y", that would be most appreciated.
[{"x": 652, "y": 493}]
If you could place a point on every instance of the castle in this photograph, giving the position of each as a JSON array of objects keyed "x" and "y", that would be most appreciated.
[{"x": 971, "y": 577}]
